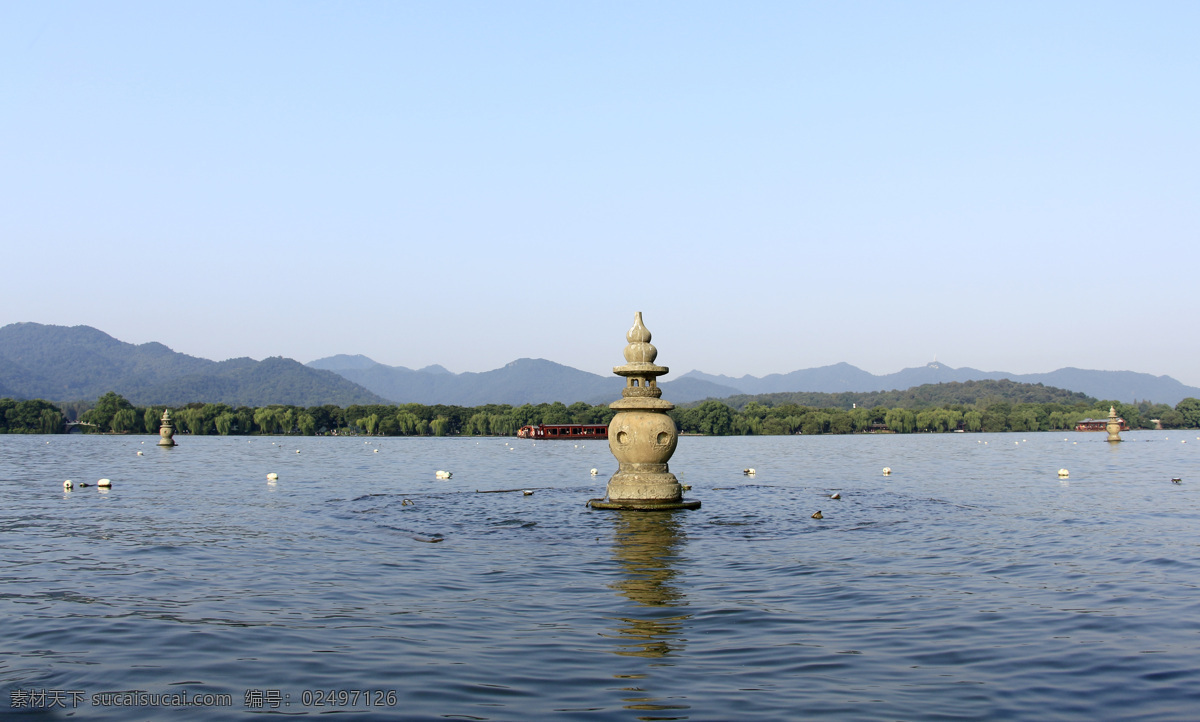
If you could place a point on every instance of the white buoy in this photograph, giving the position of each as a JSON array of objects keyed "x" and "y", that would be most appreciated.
[
  {"x": 272, "y": 476},
  {"x": 887, "y": 470},
  {"x": 297, "y": 451},
  {"x": 595, "y": 471},
  {"x": 68, "y": 485},
  {"x": 104, "y": 483},
  {"x": 1063, "y": 473},
  {"x": 442, "y": 474},
  {"x": 141, "y": 453},
  {"x": 376, "y": 451}
]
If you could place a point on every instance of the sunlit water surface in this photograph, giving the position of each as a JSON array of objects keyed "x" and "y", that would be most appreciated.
[{"x": 971, "y": 583}]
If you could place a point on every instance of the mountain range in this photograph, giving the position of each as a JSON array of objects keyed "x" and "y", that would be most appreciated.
[
  {"x": 80, "y": 363},
  {"x": 524, "y": 381},
  {"x": 1126, "y": 386},
  {"x": 538, "y": 380},
  {"x": 63, "y": 363}
]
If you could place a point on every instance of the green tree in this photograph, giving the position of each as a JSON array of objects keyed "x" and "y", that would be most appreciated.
[
  {"x": 901, "y": 421},
  {"x": 124, "y": 421},
  {"x": 50, "y": 421},
  {"x": 264, "y": 419},
  {"x": 106, "y": 407},
  {"x": 32, "y": 416},
  {"x": 1189, "y": 409},
  {"x": 224, "y": 423},
  {"x": 710, "y": 417}
]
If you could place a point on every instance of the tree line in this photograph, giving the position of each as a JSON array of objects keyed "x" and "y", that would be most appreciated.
[{"x": 113, "y": 413}]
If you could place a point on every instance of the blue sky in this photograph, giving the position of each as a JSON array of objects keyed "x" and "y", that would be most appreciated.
[{"x": 1008, "y": 186}]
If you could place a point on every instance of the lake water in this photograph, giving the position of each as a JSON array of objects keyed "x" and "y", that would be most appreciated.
[{"x": 972, "y": 583}]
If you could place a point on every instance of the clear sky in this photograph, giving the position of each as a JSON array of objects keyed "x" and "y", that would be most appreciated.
[{"x": 1009, "y": 186}]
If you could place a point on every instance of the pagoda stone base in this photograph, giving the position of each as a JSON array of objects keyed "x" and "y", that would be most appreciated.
[
  {"x": 653, "y": 489},
  {"x": 645, "y": 505},
  {"x": 645, "y": 485}
]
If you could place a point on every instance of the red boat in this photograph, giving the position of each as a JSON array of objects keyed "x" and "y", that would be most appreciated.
[{"x": 564, "y": 431}]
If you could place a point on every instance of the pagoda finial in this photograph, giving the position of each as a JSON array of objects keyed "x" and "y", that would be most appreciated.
[{"x": 639, "y": 350}]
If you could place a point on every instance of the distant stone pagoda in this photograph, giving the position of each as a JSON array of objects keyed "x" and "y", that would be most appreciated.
[
  {"x": 166, "y": 430},
  {"x": 1113, "y": 427},
  {"x": 642, "y": 436}
]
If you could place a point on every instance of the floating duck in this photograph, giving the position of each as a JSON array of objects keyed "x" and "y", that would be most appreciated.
[
  {"x": 887, "y": 470},
  {"x": 835, "y": 495},
  {"x": 104, "y": 483},
  {"x": 595, "y": 472},
  {"x": 297, "y": 451},
  {"x": 68, "y": 484},
  {"x": 272, "y": 476},
  {"x": 83, "y": 486},
  {"x": 408, "y": 502},
  {"x": 1173, "y": 481},
  {"x": 442, "y": 474},
  {"x": 749, "y": 472},
  {"x": 528, "y": 492},
  {"x": 1063, "y": 473},
  {"x": 686, "y": 487},
  {"x": 376, "y": 451},
  {"x": 818, "y": 515}
]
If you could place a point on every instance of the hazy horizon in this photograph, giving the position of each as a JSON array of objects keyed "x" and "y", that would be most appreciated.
[{"x": 778, "y": 186}]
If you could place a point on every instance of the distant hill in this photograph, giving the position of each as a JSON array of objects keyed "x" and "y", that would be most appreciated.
[
  {"x": 81, "y": 363},
  {"x": 923, "y": 396},
  {"x": 1127, "y": 386},
  {"x": 524, "y": 381}
]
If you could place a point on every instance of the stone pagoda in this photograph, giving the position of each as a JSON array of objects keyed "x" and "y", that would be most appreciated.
[
  {"x": 1113, "y": 427},
  {"x": 641, "y": 435},
  {"x": 166, "y": 430}
]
